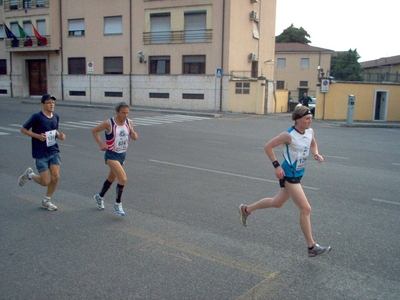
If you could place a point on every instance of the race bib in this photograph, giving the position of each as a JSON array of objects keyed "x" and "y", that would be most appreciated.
[
  {"x": 51, "y": 137},
  {"x": 302, "y": 159}
]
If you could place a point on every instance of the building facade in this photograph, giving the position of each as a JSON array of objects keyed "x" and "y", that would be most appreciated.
[
  {"x": 298, "y": 66},
  {"x": 160, "y": 53}
]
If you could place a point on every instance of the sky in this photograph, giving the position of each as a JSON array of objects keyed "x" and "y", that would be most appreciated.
[{"x": 371, "y": 27}]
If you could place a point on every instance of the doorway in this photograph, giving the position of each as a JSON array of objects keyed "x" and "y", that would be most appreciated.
[
  {"x": 380, "y": 105},
  {"x": 37, "y": 73}
]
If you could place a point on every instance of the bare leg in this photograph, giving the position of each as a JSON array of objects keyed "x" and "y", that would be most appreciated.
[
  {"x": 116, "y": 171},
  {"x": 55, "y": 176},
  {"x": 280, "y": 198},
  {"x": 299, "y": 198}
]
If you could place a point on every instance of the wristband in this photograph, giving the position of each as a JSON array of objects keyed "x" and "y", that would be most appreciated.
[{"x": 276, "y": 164}]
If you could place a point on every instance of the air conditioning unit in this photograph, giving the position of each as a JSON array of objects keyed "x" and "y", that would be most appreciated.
[
  {"x": 254, "y": 15},
  {"x": 252, "y": 57},
  {"x": 254, "y": 1}
]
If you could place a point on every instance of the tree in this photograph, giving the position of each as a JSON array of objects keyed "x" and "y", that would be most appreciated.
[
  {"x": 345, "y": 66},
  {"x": 293, "y": 35}
]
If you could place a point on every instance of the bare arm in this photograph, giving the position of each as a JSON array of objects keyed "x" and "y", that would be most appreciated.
[
  {"x": 133, "y": 134},
  {"x": 105, "y": 125},
  {"x": 283, "y": 138},
  {"x": 41, "y": 137},
  {"x": 314, "y": 149}
]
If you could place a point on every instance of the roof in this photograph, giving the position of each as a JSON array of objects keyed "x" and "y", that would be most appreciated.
[
  {"x": 298, "y": 47},
  {"x": 383, "y": 61}
]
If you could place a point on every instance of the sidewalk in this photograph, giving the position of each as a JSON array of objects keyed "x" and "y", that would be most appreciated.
[
  {"x": 71, "y": 103},
  {"x": 211, "y": 114}
]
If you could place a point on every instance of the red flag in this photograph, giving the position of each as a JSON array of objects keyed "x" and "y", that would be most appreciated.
[{"x": 42, "y": 41}]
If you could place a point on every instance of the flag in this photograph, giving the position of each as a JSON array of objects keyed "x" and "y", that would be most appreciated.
[
  {"x": 27, "y": 38},
  {"x": 10, "y": 35},
  {"x": 42, "y": 41},
  {"x": 21, "y": 32}
]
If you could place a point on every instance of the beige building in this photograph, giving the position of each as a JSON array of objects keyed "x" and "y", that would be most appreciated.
[
  {"x": 186, "y": 54},
  {"x": 297, "y": 67},
  {"x": 385, "y": 69}
]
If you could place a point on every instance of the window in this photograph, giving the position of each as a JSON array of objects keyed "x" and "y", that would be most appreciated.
[
  {"x": 3, "y": 67},
  {"x": 281, "y": 63},
  {"x": 13, "y": 4},
  {"x": 76, "y": 27},
  {"x": 41, "y": 27},
  {"x": 1, "y": 31},
  {"x": 194, "y": 64},
  {"x": 27, "y": 26},
  {"x": 242, "y": 88},
  {"x": 256, "y": 33},
  {"x": 160, "y": 28},
  {"x": 303, "y": 83},
  {"x": 195, "y": 27},
  {"x": 192, "y": 96},
  {"x": 305, "y": 63},
  {"x": 113, "y": 25},
  {"x": 280, "y": 84},
  {"x": 40, "y": 3},
  {"x": 159, "y": 95},
  {"x": 27, "y": 4},
  {"x": 113, "y": 65},
  {"x": 14, "y": 28},
  {"x": 159, "y": 65},
  {"x": 76, "y": 65}
]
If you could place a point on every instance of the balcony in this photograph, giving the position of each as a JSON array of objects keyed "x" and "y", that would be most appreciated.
[
  {"x": 178, "y": 37},
  {"x": 25, "y": 4},
  {"x": 28, "y": 44}
]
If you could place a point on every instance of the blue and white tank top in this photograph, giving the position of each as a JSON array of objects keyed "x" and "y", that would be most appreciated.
[
  {"x": 295, "y": 155},
  {"x": 118, "y": 139}
]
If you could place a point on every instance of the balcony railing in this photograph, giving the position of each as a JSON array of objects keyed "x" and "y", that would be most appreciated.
[
  {"x": 28, "y": 43},
  {"x": 25, "y": 4},
  {"x": 178, "y": 37}
]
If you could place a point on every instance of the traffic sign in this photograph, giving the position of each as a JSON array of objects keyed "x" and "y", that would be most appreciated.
[
  {"x": 324, "y": 85},
  {"x": 218, "y": 72}
]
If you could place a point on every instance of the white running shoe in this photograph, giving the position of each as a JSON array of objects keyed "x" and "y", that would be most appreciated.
[
  {"x": 24, "y": 177},
  {"x": 119, "y": 210},
  {"x": 100, "y": 201},
  {"x": 48, "y": 205}
]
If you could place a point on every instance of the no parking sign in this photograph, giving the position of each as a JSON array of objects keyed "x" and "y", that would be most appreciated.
[{"x": 324, "y": 85}]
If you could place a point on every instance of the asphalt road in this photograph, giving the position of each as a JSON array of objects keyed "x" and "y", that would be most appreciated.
[{"x": 181, "y": 237}]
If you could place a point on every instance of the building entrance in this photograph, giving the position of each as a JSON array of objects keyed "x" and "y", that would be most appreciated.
[{"x": 37, "y": 77}]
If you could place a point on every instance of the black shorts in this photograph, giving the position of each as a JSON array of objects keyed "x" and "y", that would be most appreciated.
[
  {"x": 290, "y": 180},
  {"x": 111, "y": 155}
]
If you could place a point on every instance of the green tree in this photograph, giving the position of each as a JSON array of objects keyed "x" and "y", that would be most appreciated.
[
  {"x": 293, "y": 35},
  {"x": 345, "y": 66}
]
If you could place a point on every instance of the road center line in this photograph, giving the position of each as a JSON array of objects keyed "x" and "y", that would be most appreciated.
[{"x": 220, "y": 172}]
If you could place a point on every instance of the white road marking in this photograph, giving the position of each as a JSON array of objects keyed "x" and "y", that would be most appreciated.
[
  {"x": 385, "y": 201},
  {"x": 220, "y": 172}
]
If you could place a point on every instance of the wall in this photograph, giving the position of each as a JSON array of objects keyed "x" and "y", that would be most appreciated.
[
  {"x": 334, "y": 104},
  {"x": 96, "y": 85}
]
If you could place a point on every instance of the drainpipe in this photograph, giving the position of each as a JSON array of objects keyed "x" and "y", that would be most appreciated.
[
  {"x": 130, "y": 52},
  {"x": 61, "y": 53},
  {"x": 222, "y": 54},
  {"x": 11, "y": 86}
]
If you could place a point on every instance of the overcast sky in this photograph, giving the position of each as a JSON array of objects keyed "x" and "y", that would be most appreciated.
[{"x": 373, "y": 28}]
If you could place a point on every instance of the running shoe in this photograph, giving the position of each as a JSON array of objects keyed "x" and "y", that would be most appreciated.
[
  {"x": 24, "y": 177},
  {"x": 243, "y": 214},
  {"x": 318, "y": 250},
  {"x": 48, "y": 205},
  {"x": 119, "y": 210},
  {"x": 100, "y": 201}
]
